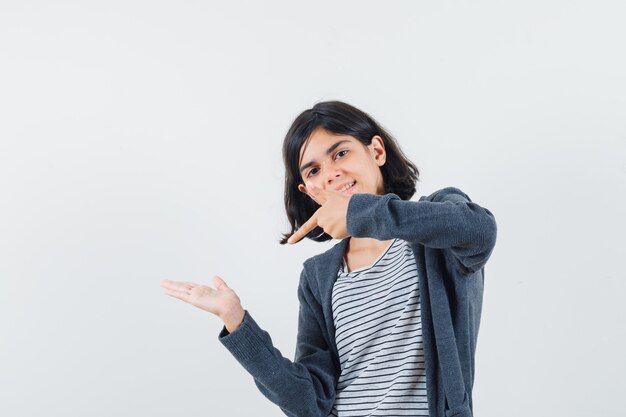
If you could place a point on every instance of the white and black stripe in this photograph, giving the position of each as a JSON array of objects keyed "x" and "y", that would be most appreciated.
[{"x": 376, "y": 310}]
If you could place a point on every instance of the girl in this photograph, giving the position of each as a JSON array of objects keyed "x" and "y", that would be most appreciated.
[{"x": 389, "y": 316}]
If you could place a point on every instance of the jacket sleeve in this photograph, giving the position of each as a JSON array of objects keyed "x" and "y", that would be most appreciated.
[
  {"x": 448, "y": 219},
  {"x": 302, "y": 388}
]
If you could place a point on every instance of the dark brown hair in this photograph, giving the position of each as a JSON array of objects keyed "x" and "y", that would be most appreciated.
[{"x": 399, "y": 174}]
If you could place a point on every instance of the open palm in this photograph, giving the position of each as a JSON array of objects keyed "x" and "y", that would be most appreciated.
[{"x": 220, "y": 301}]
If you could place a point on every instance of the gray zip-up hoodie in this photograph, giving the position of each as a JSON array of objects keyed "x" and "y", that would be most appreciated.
[{"x": 452, "y": 239}]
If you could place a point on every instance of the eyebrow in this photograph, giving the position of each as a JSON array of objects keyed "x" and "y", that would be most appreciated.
[{"x": 328, "y": 151}]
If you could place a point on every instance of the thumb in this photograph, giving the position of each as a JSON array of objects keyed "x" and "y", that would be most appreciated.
[
  {"x": 311, "y": 188},
  {"x": 219, "y": 283},
  {"x": 318, "y": 193}
]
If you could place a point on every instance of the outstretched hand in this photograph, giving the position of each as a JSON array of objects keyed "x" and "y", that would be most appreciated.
[
  {"x": 331, "y": 216},
  {"x": 221, "y": 301}
]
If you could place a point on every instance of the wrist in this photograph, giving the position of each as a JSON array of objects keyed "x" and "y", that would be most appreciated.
[{"x": 233, "y": 319}]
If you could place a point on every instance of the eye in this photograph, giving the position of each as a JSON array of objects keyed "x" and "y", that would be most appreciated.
[{"x": 342, "y": 153}]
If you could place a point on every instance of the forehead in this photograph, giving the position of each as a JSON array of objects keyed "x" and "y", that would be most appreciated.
[{"x": 319, "y": 141}]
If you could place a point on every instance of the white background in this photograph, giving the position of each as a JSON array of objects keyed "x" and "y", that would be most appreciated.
[{"x": 141, "y": 140}]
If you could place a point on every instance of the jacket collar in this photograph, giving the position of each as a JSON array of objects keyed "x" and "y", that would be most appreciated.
[{"x": 326, "y": 268}]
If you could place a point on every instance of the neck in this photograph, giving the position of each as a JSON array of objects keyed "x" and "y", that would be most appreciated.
[{"x": 365, "y": 243}]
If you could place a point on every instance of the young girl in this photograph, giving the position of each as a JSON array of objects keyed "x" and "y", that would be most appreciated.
[{"x": 389, "y": 316}]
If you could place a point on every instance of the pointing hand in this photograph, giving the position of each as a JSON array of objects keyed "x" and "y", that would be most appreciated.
[{"x": 331, "y": 216}]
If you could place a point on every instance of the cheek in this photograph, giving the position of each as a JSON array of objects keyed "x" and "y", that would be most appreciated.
[{"x": 374, "y": 175}]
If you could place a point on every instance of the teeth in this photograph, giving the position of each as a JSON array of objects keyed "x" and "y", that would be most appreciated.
[{"x": 347, "y": 186}]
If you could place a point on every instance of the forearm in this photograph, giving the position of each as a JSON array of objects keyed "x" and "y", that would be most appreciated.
[
  {"x": 298, "y": 389},
  {"x": 435, "y": 224},
  {"x": 450, "y": 221}
]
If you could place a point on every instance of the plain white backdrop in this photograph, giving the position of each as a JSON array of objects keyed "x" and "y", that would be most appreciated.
[{"x": 141, "y": 140}]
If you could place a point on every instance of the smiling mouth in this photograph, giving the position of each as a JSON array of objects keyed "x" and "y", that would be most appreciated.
[{"x": 347, "y": 187}]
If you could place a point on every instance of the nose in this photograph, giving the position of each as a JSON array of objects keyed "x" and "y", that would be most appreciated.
[{"x": 333, "y": 173}]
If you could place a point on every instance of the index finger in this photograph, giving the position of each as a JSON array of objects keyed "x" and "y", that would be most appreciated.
[
  {"x": 178, "y": 285},
  {"x": 304, "y": 229}
]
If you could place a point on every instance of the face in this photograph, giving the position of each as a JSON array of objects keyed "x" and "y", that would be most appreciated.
[{"x": 333, "y": 161}]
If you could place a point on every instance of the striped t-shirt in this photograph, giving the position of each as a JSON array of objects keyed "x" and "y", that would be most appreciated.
[{"x": 378, "y": 331}]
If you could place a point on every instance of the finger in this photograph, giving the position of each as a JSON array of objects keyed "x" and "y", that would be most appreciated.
[
  {"x": 189, "y": 285},
  {"x": 304, "y": 229},
  {"x": 171, "y": 282},
  {"x": 316, "y": 192},
  {"x": 178, "y": 294},
  {"x": 178, "y": 285},
  {"x": 320, "y": 193},
  {"x": 219, "y": 283}
]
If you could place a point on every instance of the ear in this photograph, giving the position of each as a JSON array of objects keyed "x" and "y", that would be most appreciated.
[
  {"x": 377, "y": 150},
  {"x": 302, "y": 189}
]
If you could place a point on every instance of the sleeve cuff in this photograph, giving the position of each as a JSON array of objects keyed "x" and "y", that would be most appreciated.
[{"x": 244, "y": 343}]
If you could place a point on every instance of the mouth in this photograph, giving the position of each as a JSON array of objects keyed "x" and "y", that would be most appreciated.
[{"x": 348, "y": 188}]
